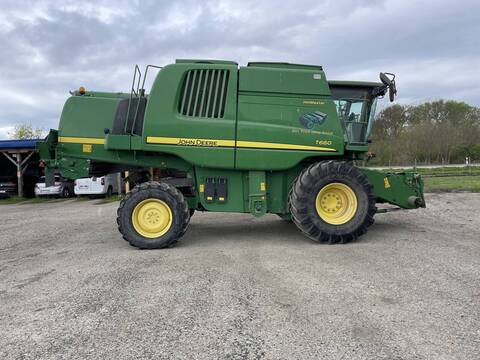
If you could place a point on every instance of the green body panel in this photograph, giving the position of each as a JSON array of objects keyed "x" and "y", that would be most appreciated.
[
  {"x": 402, "y": 189},
  {"x": 88, "y": 116},
  {"x": 70, "y": 159},
  {"x": 162, "y": 118},
  {"x": 283, "y": 79},
  {"x": 257, "y": 193},
  {"x": 263, "y": 105},
  {"x": 118, "y": 142},
  {"x": 268, "y": 121},
  {"x": 237, "y": 181},
  {"x": 273, "y": 118},
  {"x": 270, "y": 103}
]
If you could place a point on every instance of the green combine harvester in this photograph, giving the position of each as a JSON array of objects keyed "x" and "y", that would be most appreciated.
[{"x": 263, "y": 138}]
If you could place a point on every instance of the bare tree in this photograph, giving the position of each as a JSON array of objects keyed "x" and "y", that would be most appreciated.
[{"x": 25, "y": 131}]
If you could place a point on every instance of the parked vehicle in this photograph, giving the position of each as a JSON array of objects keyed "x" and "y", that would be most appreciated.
[
  {"x": 8, "y": 187},
  {"x": 61, "y": 187},
  {"x": 105, "y": 185}
]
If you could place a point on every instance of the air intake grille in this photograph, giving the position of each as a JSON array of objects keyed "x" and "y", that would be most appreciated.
[{"x": 204, "y": 93}]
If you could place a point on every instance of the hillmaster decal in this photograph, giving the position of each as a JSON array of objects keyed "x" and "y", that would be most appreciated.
[{"x": 311, "y": 119}]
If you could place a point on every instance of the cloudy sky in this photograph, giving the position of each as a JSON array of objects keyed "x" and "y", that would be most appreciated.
[{"x": 51, "y": 47}]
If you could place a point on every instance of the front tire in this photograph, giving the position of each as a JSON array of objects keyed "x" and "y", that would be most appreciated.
[
  {"x": 332, "y": 202},
  {"x": 153, "y": 215}
]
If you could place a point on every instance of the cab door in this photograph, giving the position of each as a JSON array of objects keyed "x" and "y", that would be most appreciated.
[{"x": 191, "y": 112}]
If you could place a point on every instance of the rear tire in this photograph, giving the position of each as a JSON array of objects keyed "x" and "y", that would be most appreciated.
[
  {"x": 153, "y": 215},
  {"x": 332, "y": 202}
]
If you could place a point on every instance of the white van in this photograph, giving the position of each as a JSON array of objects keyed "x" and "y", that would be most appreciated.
[{"x": 105, "y": 185}]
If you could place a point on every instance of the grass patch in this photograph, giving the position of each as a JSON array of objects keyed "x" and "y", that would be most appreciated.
[
  {"x": 449, "y": 171},
  {"x": 22, "y": 200},
  {"x": 50, "y": 199},
  {"x": 442, "y": 171},
  {"x": 452, "y": 183},
  {"x": 12, "y": 200}
]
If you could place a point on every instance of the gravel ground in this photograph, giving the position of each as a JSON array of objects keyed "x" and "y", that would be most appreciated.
[{"x": 237, "y": 287}]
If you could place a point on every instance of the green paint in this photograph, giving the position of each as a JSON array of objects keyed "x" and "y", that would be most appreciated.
[
  {"x": 396, "y": 188},
  {"x": 253, "y": 125},
  {"x": 257, "y": 193}
]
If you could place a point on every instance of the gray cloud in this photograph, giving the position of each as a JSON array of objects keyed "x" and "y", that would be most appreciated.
[{"x": 48, "y": 49}]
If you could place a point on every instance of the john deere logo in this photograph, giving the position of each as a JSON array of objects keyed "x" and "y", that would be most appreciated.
[{"x": 311, "y": 119}]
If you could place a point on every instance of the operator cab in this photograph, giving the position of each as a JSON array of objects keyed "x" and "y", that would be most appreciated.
[{"x": 356, "y": 103}]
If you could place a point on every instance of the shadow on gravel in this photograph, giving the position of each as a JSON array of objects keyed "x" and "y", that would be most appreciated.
[{"x": 261, "y": 232}]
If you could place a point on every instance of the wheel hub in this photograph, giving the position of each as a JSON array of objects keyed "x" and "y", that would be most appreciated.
[
  {"x": 336, "y": 203},
  {"x": 152, "y": 218}
]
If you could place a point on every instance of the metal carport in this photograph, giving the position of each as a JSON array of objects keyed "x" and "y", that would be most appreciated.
[{"x": 18, "y": 152}]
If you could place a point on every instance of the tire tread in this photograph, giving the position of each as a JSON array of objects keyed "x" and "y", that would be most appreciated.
[
  {"x": 300, "y": 197},
  {"x": 179, "y": 202}
]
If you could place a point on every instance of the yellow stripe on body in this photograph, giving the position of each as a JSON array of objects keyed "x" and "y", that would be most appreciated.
[
  {"x": 81, "y": 140},
  {"x": 230, "y": 143},
  {"x": 201, "y": 142},
  {"x": 189, "y": 141},
  {"x": 265, "y": 145}
]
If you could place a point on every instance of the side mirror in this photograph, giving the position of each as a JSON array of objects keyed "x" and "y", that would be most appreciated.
[
  {"x": 390, "y": 84},
  {"x": 392, "y": 92},
  {"x": 385, "y": 79}
]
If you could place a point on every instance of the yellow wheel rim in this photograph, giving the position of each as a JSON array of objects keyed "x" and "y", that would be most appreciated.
[
  {"x": 152, "y": 218},
  {"x": 336, "y": 203}
]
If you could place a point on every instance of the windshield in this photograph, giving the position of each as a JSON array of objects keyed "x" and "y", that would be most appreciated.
[{"x": 355, "y": 108}]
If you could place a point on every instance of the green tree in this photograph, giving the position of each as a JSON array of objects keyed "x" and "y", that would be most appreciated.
[
  {"x": 390, "y": 124},
  {"x": 437, "y": 132},
  {"x": 391, "y": 121},
  {"x": 25, "y": 131}
]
